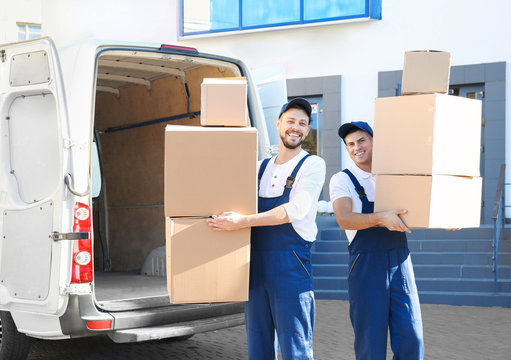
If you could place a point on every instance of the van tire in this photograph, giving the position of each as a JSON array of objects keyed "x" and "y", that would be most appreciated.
[{"x": 13, "y": 344}]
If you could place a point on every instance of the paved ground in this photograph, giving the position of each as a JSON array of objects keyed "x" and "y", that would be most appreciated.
[{"x": 451, "y": 333}]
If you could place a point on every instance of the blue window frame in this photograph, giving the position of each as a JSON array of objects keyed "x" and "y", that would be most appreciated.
[{"x": 210, "y": 16}]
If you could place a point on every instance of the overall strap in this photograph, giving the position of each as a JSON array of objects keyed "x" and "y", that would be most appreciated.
[
  {"x": 262, "y": 168},
  {"x": 360, "y": 190},
  {"x": 291, "y": 178}
]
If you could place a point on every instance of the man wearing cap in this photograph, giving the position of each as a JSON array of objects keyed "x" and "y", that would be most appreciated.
[
  {"x": 381, "y": 283},
  {"x": 280, "y": 310}
]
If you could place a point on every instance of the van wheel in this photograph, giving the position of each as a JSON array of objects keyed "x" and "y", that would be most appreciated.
[{"x": 13, "y": 344}]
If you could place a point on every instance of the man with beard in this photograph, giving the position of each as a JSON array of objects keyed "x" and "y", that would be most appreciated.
[{"x": 280, "y": 310}]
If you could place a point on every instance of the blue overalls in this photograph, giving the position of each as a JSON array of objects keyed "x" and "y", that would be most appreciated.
[
  {"x": 382, "y": 292},
  {"x": 281, "y": 298}
]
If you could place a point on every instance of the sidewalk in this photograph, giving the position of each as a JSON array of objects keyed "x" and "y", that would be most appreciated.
[{"x": 450, "y": 332}]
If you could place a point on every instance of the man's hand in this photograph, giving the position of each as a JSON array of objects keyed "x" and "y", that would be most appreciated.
[
  {"x": 227, "y": 221},
  {"x": 391, "y": 220}
]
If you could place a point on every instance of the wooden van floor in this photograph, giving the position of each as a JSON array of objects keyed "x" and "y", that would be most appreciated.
[{"x": 122, "y": 291}]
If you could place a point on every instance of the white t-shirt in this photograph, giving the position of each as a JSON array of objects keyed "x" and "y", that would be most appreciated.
[
  {"x": 342, "y": 186},
  {"x": 303, "y": 198}
]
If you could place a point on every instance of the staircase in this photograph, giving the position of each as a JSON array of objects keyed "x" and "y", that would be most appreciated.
[{"x": 451, "y": 267}]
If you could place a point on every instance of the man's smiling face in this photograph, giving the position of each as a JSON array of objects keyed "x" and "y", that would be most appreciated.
[
  {"x": 359, "y": 145},
  {"x": 293, "y": 127}
]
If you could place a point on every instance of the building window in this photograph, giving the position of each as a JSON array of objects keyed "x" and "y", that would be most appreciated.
[
  {"x": 210, "y": 16},
  {"x": 28, "y": 31}
]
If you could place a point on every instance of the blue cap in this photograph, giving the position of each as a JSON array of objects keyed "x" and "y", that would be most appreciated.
[
  {"x": 348, "y": 128},
  {"x": 301, "y": 103}
]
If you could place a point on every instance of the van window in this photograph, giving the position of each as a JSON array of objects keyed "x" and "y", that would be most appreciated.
[{"x": 96, "y": 171}]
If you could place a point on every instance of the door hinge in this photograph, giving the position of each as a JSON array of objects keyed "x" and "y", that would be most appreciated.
[
  {"x": 56, "y": 236},
  {"x": 482, "y": 149},
  {"x": 482, "y": 94},
  {"x": 2, "y": 55}
]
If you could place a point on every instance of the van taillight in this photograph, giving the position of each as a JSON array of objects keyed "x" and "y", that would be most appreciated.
[{"x": 82, "y": 249}]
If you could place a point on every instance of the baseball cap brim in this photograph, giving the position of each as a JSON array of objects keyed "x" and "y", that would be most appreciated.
[{"x": 347, "y": 128}]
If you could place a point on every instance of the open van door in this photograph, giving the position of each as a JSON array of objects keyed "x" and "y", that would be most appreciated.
[
  {"x": 272, "y": 88},
  {"x": 32, "y": 118}
]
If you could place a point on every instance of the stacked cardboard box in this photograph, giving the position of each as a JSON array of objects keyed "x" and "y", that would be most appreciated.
[
  {"x": 426, "y": 148},
  {"x": 224, "y": 102},
  {"x": 209, "y": 170}
]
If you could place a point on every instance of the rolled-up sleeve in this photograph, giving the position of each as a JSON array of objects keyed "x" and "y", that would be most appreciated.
[{"x": 306, "y": 189}]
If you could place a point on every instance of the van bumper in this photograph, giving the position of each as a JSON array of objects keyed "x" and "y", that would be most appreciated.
[
  {"x": 187, "y": 328},
  {"x": 151, "y": 323}
]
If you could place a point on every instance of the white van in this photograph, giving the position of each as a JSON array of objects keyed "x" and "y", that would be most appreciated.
[{"x": 81, "y": 189}]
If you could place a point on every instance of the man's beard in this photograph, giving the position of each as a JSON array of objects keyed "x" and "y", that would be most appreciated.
[{"x": 289, "y": 146}]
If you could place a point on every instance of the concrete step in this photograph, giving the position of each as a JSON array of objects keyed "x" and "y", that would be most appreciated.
[
  {"x": 434, "y": 258},
  {"x": 331, "y": 294},
  {"x": 483, "y": 232},
  {"x": 330, "y": 270},
  {"x": 456, "y": 245},
  {"x": 427, "y": 271},
  {"x": 452, "y": 245},
  {"x": 330, "y": 257},
  {"x": 425, "y": 284},
  {"x": 330, "y": 282},
  {"x": 459, "y": 258},
  {"x": 460, "y": 271},
  {"x": 462, "y": 285},
  {"x": 464, "y": 298},
  {"x": 436, "y": 297}
]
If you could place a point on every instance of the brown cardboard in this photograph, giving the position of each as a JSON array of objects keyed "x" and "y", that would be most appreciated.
[
  {"x": 206, "y": 266},
  {"x": 436, "y": 201},
  {"x": 427, "y": 134},
  {"x": 224, "y": 102},
  {"x": 209, "y": 170},
  {"x": 426, "y": 72}
]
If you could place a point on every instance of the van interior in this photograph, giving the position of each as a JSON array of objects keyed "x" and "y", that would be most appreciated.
[{"x": 138, "y": 93}]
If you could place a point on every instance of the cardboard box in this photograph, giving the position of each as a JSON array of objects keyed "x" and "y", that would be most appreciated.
[
  {"x": 224, "y": 102},
  {"x": 427, "y": 134},
  {"x": 426, "y": 72},
  {"x": 206, "y": 266},
  {"x": 210, "y": 170},
  {"x": 436, "y": 201}
]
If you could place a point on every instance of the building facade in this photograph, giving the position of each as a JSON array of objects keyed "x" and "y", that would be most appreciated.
[{"x": 340, "y": 54}]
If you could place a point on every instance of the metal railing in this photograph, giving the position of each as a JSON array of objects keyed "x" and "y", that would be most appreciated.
[{"x": 498, "y": 217}]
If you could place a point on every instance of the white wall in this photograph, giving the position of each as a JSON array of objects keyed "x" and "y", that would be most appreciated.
[
  {"x": 473, "y": 31},
  {"x": 12, "y": 11},
  {"x": 152, "y": 21}
]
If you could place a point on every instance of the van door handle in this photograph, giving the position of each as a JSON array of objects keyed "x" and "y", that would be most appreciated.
[
  {"x": 69, "y": 182},
  {"x": 56, "y": 236}
]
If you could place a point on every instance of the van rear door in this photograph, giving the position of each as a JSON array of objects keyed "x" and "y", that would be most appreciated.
[{"x": 32, "y": 117}]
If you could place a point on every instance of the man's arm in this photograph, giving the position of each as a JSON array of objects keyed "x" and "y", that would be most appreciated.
[
  {"x": 306, "y": 188},
  {"x": 349, "y": 220},
  {"x": 230, "y": 221}
]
